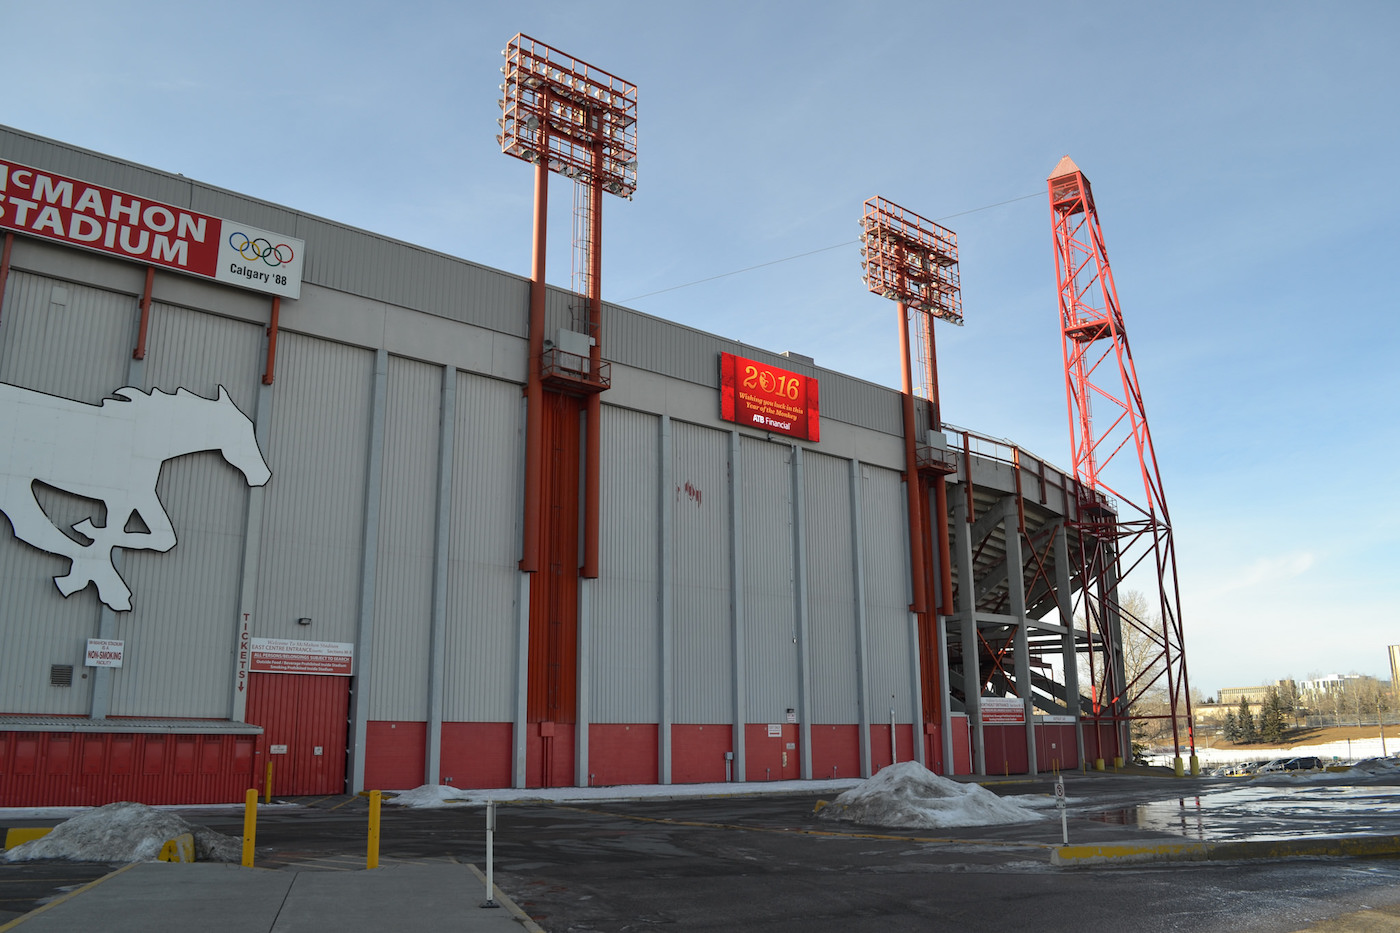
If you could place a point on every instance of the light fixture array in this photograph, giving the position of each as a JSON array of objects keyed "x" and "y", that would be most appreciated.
[
  {"x": 558, "y": 108},
  {"x": 908, "y": 258}
]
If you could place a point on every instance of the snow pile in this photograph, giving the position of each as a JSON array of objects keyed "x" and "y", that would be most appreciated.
[
  {"x": 1377, "y": 766},
  {"x": 429, "y": 796},
  {"x": 124, "y": 832},
  {"x": 911, "y": 796}
]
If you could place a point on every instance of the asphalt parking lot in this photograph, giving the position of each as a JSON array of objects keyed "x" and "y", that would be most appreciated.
[{"x": 767, "y": 862}]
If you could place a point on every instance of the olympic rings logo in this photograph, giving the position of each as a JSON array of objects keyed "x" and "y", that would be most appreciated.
[{"x": 261, "y": 248}]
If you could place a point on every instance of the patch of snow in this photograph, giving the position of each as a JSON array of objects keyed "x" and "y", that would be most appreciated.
[
  {"x": 124, "y": 832},
  {"x": 429, "y": 796},
  {"x": 911, "y": 796},
  {"x": 1330, "y": 752}
]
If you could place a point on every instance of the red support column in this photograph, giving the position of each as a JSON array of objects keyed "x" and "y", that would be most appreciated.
[
  {"x": 140, "y": 352},
  {"x": 272, "y": 340},
  {"x": 911, "y": 470},
  {"x": 594, "y": 407},
  {"x": 5, "y": 265},
  {"x": 534, "y": 388}
]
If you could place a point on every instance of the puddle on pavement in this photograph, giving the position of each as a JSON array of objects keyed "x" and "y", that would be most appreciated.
[{"x": 1262, "y": 812}]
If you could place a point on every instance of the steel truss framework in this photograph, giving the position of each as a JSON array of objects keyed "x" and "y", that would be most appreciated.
[
  {"x": 1018, "y": 570},
  {"x": 1108, "y": 423}
]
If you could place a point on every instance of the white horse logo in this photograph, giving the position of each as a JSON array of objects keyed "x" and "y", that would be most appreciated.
[{"x": 112, "y": 453}]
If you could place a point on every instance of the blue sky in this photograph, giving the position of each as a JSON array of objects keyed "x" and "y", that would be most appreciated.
[{"x": 1243, "y": 157}]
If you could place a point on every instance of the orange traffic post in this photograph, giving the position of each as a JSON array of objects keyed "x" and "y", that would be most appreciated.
[
  {"x": 250, "y": 825},
  {"x": 267, "y": 784},
  {"x": 372, "y": 856}
]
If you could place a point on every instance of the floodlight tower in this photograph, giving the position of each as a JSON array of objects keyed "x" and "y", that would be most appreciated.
[
  {"x": 562, "y": 115},
  {"x": 1107, "y": 418},
  {"x": 914, "y": 262},
  {"x": 566, "y": 116}
]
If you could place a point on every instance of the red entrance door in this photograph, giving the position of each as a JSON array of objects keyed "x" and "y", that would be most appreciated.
[{"x": 306, "y": 714}]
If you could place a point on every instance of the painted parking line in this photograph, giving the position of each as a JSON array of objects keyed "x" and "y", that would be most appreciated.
[
  {"x": 1306, "y": 847},
  {"x": 67, "y": 897}
]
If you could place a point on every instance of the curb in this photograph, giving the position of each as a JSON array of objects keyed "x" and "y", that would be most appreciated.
[
  {"x": 1307, "y": 847},
  {"x": 504, "y": 900}
]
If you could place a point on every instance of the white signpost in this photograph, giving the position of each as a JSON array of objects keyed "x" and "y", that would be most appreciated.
[{"x": 1060, "y": 802}]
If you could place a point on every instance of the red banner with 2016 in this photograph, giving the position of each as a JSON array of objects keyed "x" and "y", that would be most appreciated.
[{"x": 768, "y": 398}]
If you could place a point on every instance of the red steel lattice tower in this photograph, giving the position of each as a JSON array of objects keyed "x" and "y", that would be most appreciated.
[{"x": 1112, "y": 452}]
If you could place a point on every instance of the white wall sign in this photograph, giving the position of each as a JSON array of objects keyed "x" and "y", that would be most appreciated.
[
  {"x": 1003, "y": 711},
  {"x": 296, "y": 656},
  {"x": 103, "y": 652},
  {"x": 112, "y": 453},
  {"x": 67, "y": 210}
]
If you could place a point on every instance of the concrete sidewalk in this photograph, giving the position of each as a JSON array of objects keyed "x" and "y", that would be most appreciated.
[{"x": 152, "y": 897}]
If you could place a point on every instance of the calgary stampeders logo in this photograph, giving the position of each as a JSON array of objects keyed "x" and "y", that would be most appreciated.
[{"x": 111, "y": 453}]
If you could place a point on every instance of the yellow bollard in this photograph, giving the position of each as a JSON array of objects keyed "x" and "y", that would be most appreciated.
[
  {"x": 250, "y": 825},
  {"x": 372, "y": 857},
  {"x": 267, "y": 784}
]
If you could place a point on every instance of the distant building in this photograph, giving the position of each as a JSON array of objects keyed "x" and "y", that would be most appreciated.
[
  {"x": 1230, "y": 696},
  {"x": 1329, "y": 684}
]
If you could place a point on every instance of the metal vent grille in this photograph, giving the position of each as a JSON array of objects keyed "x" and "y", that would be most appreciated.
[{"x": 60, "y": 675}]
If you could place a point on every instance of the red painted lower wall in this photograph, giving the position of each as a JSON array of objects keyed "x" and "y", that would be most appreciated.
[
  {"x": 962, "y": 745},
  {"x": 1100, "y": 741},
  {"x": 476, "y": 754},
  {"x": 880, "y": 744},
  {"x": 835, "y": 751},
  {"x": 933, "y": 747},
  {"x": 622, "y": 753},
  {"x": 549, "y": 754},
  {"x": 96, "y": 768},
  {"x": 1055, "y": 747},
  {"x": 395, "y": 754},
  {"x": 1006, "y": 750},
  {"x": 772, "y": 758},
  {"x": 697, "y": 753}
]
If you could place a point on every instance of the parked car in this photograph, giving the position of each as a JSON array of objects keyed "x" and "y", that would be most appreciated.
[{"x": 1304, "y": 763}]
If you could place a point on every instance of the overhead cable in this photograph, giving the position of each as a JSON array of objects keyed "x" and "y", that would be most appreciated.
[{"x": 823, "y": 249}]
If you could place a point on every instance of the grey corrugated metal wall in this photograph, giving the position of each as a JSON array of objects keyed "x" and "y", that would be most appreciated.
[
  {"x": 769, "y": 604},
  {"x": 313, "y": 529},
  {"x": 703, "y": 653},
  {"x": 886, "y": 556},
  {"x": 181, "y": 632},
  {"x": 479, "y": 674},
  {"x": 625, "y": 648},
  {"x": 404, "y": 571},
  {"x": 71, "y": 341},
  {"x": 831, "y": 589}
]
